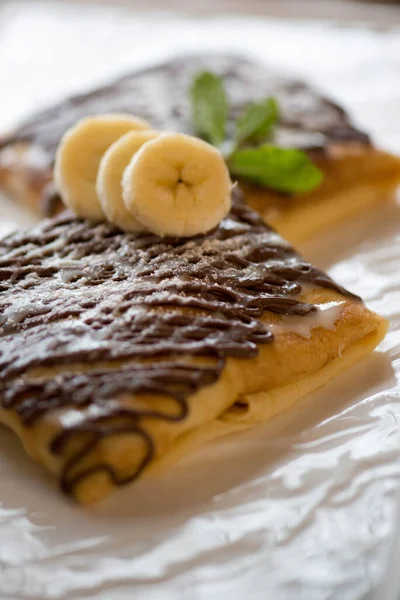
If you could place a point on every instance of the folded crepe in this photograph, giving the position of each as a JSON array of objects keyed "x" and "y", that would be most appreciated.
[
  {"x": 356, "y": 174},
  {"x": 120, "y": 353}
]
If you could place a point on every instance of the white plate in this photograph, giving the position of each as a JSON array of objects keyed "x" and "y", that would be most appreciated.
[{"x": 303, "y": 508}]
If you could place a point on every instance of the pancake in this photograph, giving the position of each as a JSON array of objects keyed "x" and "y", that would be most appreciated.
[
  {"x": 120, "y": 353},
  {"x": 357, "y": 174}
]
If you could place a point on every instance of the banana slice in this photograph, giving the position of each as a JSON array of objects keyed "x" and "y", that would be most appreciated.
[
  {"x": 109, "y": 177},
  {"x": 177, "y": 185},
  {"x": 78, "y": 157}
]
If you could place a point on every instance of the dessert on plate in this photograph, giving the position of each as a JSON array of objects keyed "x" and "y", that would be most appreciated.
[
  {"x": 123, "y": 350},
  {"x": 355, "y": 173}
]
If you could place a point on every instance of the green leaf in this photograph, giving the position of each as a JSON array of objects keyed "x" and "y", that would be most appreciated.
[
  {"x": 209, "y": 107},
  {"x": 285, "y": 170},
  {"x": 257, "y": 121}
]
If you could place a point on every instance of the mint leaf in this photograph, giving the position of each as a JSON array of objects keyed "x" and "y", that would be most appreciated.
[
  {"x": 284, "y": 170},
  {"x": 257, "y": 121},
  {"x": 209, "y": 107}
]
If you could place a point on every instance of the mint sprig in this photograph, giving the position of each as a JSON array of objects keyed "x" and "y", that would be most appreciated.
[
  {"x": 286, "y": 170},
  {"x": 209, "y": 107},
  {"x": 256, "y": 123},
  {"x": 281, "y": 169}
]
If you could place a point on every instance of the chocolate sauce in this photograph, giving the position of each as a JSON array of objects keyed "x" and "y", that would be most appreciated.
[
  {"x": 134, "y": 310},
  {"x": 51, "y": 202},
  {"x": 160, "y": 94}
]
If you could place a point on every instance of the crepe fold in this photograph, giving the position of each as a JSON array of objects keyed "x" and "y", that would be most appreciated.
[
  {"x": 120, "y": 353},
  {"x": 356, "y": 174}
]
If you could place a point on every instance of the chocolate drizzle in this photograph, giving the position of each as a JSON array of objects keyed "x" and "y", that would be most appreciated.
[
  {"x": 119, "y": 314},
  {"x": 160, "y": 94}
]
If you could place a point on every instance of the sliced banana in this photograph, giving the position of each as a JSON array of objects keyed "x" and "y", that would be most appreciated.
[
  {"x": 78, "y": 157},
  {"x": 177, "y": 185},
  {"x": 109, "y": 178}
]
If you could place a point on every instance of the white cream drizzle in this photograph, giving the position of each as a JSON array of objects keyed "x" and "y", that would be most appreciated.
[
  {"x": 325, "y": 316},
  {"x": 73, "y": 417}
]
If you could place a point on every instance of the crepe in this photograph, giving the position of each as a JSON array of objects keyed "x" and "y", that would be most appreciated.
[
  {"x": 120, "y": 353},
  {"x": 357, "y": 174}
]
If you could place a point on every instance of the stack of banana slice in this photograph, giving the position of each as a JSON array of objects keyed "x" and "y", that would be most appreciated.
[{"x": 116, "y": 168}]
